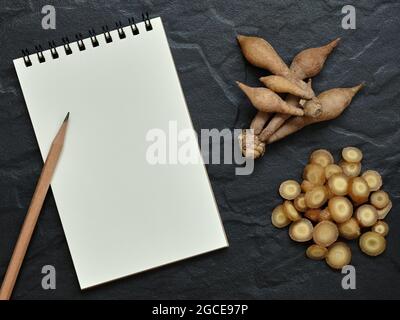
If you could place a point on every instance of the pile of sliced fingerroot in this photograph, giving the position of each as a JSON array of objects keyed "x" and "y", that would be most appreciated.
[
  {"x": 278, "y": 115},
  {"x": 334, "y": 203}
]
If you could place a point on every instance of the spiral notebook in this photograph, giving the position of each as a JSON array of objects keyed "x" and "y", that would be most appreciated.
[{"x": 121, "y": 213}]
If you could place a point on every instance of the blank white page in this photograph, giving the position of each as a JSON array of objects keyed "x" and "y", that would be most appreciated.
[{"x": 120, "y": 214}]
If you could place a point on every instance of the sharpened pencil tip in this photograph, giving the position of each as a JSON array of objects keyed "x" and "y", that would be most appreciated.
[{"x": 66, "y": 117}]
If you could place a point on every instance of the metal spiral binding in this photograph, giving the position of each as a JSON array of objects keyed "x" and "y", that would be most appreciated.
[
  {"x": 107, "y": 34},
  {"x": 121, "y": 32},
  {"x": 39, "y": 52},
  {"x": 79, "y": 41},
  {"x": 67, "y": 48},
  {"x": 93, "y": 38},
  {"x": 25, "y": 55},
  {"x": 53, "y": 50},
  {"x": 147, "y": 21},
  {"x": 92, "y": 35},
  {"x": 134, "y": 28}
]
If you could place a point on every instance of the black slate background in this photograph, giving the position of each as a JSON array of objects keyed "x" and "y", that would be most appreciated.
[{"x": 262, "y": 262}]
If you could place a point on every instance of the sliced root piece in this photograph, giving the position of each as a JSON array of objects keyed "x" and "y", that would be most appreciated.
[
  {"x": 358, "y": 190},
  {"x": 382, "y": 213},
  {"x": 331, "y": 169},
  {"x": 315, "y": 174},
  {"x": 350, "y": 169},
  {"x": 291, "y": 211},
  {"x": 372, "y": 243},
  {"x": 373, "y": 178},
  {"x": 338, "y": 184},
  {"x": 306, "y": 186},
  {"x": 321, "y": 157},
  {"x": 339, "y": 255},
  {"x": 381, "y": 227},
  {"x": 352, "y": 154},
  {"x": 349, "y": 229},
  {"x": 340, "y": 208},
  {"x": 329, "y": 191},
  {"x": 312, "y": 214},
  {"x": 289, "y": 189},
  {"x": 315, "y": 198},
  {"x": 301, "y": 230},
  {"x": 279, "y": 218},
  {"x": 325, "y": 233},
  {"x": 366, "y": 215},
  {"x": 379, "y": 199},
  {"x": 316, "y": 252},
  {"x": 325, "y": 215},
  {"x": 300, "y": 203}
]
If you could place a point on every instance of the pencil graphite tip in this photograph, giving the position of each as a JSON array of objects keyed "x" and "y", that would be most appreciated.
[{"x": 66, "y": 117}]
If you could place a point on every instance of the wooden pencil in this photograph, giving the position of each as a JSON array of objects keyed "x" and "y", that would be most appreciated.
[{"x": 33, "y": 212}]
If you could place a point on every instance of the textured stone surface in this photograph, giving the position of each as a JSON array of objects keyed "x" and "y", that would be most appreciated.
[{"x": 261, "y": 262}]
